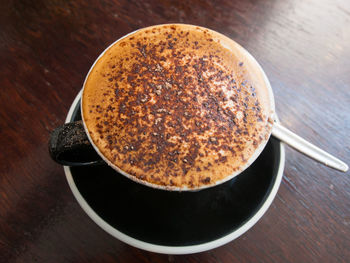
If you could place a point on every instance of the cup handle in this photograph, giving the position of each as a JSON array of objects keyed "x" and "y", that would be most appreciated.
[{"x": 70, "y": 146}]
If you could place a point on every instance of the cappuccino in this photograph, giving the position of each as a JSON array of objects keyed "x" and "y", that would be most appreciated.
[{"x": 177, "y": 106}]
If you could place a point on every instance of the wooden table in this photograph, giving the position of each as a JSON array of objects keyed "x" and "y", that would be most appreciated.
[{"x": 46, "y": 49}]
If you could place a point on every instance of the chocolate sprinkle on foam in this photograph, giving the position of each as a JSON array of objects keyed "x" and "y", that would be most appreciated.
[{"x": 172, "y": 106}]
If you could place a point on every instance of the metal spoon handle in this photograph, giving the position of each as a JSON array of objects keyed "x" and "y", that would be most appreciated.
[{"x": 307, "y": 148}]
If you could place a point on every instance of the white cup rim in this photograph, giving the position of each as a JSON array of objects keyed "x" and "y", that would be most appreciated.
[{"x": 254, "y": 156}]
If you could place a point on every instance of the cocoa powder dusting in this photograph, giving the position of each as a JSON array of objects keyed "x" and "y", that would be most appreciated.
[{"x": 176, "y": 112}]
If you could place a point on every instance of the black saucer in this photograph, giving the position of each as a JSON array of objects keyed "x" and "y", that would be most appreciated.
[{"x": 178, "y": 218}]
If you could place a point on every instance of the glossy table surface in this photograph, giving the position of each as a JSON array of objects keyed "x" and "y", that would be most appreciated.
[{"x": 46, "y": 49}]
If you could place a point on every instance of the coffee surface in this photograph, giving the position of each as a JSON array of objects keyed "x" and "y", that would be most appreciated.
[{"x": 177, "y": 106}]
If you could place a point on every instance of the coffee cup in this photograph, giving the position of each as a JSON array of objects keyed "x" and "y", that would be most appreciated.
[{"x": 175, "y": 107}]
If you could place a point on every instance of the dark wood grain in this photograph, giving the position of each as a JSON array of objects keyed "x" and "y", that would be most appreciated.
[{"x": 46, "y": 49}]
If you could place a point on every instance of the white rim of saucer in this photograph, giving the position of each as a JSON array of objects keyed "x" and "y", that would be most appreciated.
[{"x": 172, "y": 249}]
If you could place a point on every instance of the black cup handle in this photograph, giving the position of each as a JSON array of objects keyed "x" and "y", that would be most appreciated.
[{"x": 70, "y": 146}]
